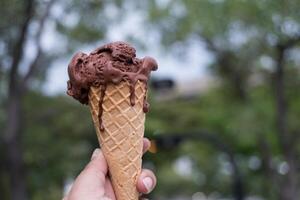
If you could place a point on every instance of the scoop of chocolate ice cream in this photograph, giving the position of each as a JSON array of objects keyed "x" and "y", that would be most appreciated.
[{"x": 111, "y": 63}]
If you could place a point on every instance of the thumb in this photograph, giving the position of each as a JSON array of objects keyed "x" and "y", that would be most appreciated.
[
  {"x": 91, "y": 180},
  {"x": 97, "y": 164}
]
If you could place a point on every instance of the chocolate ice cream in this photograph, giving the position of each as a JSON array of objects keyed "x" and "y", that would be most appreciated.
[{"x": 111, "y": 63}]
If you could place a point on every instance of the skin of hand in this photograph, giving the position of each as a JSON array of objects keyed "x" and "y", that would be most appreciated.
[{"x": 93, "y": 182}]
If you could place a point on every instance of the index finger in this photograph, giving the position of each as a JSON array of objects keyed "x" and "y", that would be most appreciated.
[{"x": 146, "y": 145}]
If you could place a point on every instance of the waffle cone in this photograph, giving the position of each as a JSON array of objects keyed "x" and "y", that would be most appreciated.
[{"x": 122, "y": 138}]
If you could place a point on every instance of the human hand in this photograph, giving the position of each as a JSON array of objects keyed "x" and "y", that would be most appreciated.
[{"x": 93, "y": 182}]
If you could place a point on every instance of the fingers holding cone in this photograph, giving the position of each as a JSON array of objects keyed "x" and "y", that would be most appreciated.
[
  {"x": 146, "y": 145},
  {"x": 96, "y": 170},
  {"x": 147, "y": 180}
]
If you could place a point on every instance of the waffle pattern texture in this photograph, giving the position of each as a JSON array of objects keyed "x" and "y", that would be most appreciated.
[{"x": 122, "y": 138}]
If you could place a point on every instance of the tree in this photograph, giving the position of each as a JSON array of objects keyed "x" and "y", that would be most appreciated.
[
  {"x": 17, "y": 85},
  {"x": 239, "y": 33},
  {"x": 20, "y": 33}
]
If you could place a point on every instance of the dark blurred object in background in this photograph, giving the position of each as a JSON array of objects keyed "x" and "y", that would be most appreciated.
[{"x": 163, "y": 84}]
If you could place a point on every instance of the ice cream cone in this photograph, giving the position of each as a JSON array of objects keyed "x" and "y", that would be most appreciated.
[
  {"x": 121, "y": 138},
  {"x": 113, "y": 81}
]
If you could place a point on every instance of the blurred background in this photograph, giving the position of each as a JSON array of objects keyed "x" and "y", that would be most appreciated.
[{"x": 225, "y": 103}]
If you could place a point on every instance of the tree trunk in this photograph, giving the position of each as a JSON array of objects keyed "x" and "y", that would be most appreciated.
[
  {"x": 229, "y": 70},
  {"x": 12, "y": 136},
  {"x": 14, "y": 154},
  {"x": 17, "y": 87},
  {"x": 289, "y": 184},
  {"x": 272, "y": 187},
  {"x": 237, "y": 183}
]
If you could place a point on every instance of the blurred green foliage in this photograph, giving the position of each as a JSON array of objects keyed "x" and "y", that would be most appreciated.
[
  {"x": 58, "y": 140},
  {"x": 232, "y": 123}
]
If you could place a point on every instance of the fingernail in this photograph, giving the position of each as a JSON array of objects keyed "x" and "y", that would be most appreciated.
[
  {"x": 148, "y": 182},
  {"x": 95, "y": 154}
]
